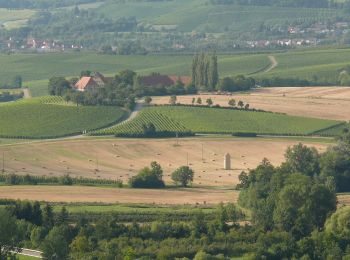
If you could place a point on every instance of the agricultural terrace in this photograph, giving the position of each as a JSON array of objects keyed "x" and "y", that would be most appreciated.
[
  {"x": 51, "y": 117},
  {"x": 318, "y": 102},
  {"x": 218, "y": 120},
  {"x": 123, "y": 158}
]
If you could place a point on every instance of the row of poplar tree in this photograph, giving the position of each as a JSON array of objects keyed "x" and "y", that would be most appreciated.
[{"x": 205, "y": 75}]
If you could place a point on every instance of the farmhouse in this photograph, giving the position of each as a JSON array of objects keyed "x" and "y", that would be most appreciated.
[
  {"x": 163, "y": 80},
  {"x": 91, "y": 83}
]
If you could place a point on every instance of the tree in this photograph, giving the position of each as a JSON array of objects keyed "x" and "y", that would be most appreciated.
[
  {"x": 303, "y": 159},
  {"x": 183, "y": 176},
  {"x": 209, "y": 102},
  {"x": 205, "y": 71},
  {"x": 48, "y": 216},
  {"x": 232, "y": 102},
  {"x": 55, "y": 245},
  {"x": 199, "y": 101},
  {"x": 335, "y": 163},
  {"x": 193, "y": 101},
  {"x": 9, "y": 235},
  {"x": 148, "y": 100},
  {"x": 172, "y": 100},
  {"x": 246, "y": 107},
  {"x": 85, "y": 73},
  {"x": 240, "y": 104},
  {"x": 62, "y": 217},
  {"x": 17, "y": 81},
  {"x": 58, "y": 86},
  {"x": 148, "y": 177},
  {"x": 79, "y": 246},
  {"x": 149, "y": 130}
]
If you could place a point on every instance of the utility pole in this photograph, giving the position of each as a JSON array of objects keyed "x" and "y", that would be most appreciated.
[{"x": 187, "y": 158}]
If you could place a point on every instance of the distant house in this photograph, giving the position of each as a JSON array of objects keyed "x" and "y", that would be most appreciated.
[
  {"x": 164, "y": 80},
  {"x": 91, "y": 83}
]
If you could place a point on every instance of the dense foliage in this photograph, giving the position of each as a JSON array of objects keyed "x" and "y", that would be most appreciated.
[
  {"x": 148, "y": 177},
  {"x": 14, "y": 179},
  {"x": 204, "y": 71}
]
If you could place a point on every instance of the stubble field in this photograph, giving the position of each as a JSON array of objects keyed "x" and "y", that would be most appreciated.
[
  {"x": 318, "y": 102},
  {"x": 123, "y": 158}
]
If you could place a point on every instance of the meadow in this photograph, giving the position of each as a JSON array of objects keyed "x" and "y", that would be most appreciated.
[
  {"x": 320, "y": 65},
  {"x": 198, "y": 15},
  {"x": 51, "y": 117},
  {"x": 220, "y": 121},
  {"x": 11, "y": 19},
  {"x": 36, "y": 69}
]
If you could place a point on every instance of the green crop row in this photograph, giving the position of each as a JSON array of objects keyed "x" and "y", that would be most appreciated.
[
  {"x": 220, "y": 121},
  {"x": 48, "y": 118}
]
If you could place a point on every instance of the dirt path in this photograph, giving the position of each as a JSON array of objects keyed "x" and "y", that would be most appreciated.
[
  {"x": 26, "y": 93},
  {"x": 134, "y": 113},
  {"x": 274, "y": 64}
]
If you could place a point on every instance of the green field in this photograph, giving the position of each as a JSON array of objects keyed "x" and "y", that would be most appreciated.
[
  {"x": 198, "y": 15},
  {"x": 50, "y": 117},
  {"x": 222, "y": 121},
  {"x": 14, "y": 18},
  {"x": 24, "y": 257},
  {"x": 36, "y": 69},
  {"x": 324, "y": 64},
  {"x": 335, "y": 131}
]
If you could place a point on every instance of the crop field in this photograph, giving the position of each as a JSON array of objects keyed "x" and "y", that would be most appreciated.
[
  {"x": 50, "y": 117},
  {"x": 319, "y": 65},
  {"x": 199, "y": 15},
  {"x": 318, "y": 102},
  {"x": 111, "y": 158},
  {"x": 220, "y": 121},
  {"x": 36, "y": 69},
  {"x": 108, "y": 195}
]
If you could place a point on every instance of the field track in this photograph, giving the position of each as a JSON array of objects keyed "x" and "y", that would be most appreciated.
[
  {"x": 114, "y": 195},
  {"x": 274, "y": 64},
  {"x": 125, "y": 196}
]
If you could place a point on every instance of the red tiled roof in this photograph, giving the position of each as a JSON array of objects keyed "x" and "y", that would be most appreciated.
[{"x": 84, "y": 82}]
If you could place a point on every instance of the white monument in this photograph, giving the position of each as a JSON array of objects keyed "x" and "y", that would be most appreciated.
[{"x": 227, "y": 162}]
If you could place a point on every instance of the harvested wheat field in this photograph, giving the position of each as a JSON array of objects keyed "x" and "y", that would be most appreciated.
[
  {"x": 123, "y": 158},
  {"x": 319, "y": 102},
  {"x": 344, "y": 200},
  {"x": 113, "y": 195}
]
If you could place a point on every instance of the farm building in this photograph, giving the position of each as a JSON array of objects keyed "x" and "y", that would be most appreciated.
[
  {"x": 163, "y": 80},
  {"x": 90, "y": 83}
]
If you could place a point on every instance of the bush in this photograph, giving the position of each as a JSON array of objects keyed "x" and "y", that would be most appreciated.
[{"x": 148, "y": 177}]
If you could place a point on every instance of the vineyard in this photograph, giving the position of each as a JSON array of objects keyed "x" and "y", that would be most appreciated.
[
  {"x": 50, "y": 117},
  {"x": 221, "y": 121}
]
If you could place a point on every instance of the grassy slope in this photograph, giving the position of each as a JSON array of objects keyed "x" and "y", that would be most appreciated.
[
  {"x": 210, "y": 120},
  {"x": 304, "y": 64},
  {"x": 198, "y": 15},
  {"x": 36, "y": 69},
  {"x": 35, "y": 119},
  {"x": 14, "y": 18}
]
